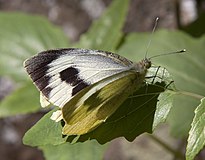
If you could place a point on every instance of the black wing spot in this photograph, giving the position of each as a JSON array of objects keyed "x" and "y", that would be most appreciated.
[
  {"x": 79, "y": 87},
  {"x": 70, "y": 76}
]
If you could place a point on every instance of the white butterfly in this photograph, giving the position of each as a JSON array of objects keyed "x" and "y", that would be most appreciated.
[{"x": 87, "y": 85}]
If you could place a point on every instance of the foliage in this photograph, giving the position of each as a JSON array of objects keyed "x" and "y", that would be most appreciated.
[
  {"x": 25, "y": 35},
  {"x": 88, "y": 150},
  {"x": 196, "y": 134}
]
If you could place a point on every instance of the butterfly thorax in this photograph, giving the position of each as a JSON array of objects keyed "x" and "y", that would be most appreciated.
[
  {"x": 140, "y": 70},
  {"x": 142, "y": 66}
]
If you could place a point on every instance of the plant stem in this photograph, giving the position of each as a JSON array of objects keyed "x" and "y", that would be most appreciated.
[
  {"x": 167, "y": 147},
  {"x": 197, "y": 96},
  {"x": 191, "y": 94}
]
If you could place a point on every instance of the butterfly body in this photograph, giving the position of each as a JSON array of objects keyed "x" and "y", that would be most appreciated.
[{"x": 88, "y": 85}]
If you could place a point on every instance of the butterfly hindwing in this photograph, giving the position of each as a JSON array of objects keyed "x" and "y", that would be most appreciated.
[
  {"x": 61, "y": 74},
  {"x": 85, "y": 116}
]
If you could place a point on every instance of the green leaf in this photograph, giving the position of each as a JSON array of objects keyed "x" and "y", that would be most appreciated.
[
  {"x": 196, "y": 139},
  {"x": 23, "y": 100},
  {"x": 105, "y": 33},
  {"x": 90, "y": 150},
  {"x": 164, "y": 106},
  {"x": 22, "y": 36},
  {"x": 186, "y": 69},
  {"x": 165, "y": 99},
  {"x": 44, "y": 132}
]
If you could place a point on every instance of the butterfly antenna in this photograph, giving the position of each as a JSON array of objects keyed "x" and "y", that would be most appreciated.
[
  {"x": 150, "y": 40},
  {"x": 176, "y": 52}
]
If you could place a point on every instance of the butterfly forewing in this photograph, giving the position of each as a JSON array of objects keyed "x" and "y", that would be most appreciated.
[{"x": 61, "y": 74}]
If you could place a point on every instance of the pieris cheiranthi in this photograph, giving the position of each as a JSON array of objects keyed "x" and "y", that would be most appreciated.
[
  {"x": 87, "y": 85},
  {"x": 70, "y": 78}
]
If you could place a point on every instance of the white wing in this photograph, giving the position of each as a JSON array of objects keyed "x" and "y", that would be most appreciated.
[{"x": 60, "y": 74}]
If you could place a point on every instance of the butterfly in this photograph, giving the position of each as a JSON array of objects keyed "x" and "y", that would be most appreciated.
[{"x": 87, "y": 85}]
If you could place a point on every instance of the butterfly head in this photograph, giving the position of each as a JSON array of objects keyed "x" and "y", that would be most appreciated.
[
  {"x": 146, "y": 63},
  {"x": 143, "y": 66}
]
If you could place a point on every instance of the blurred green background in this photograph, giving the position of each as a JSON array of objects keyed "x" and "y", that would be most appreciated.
[{"x": 28, "y": 27}]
